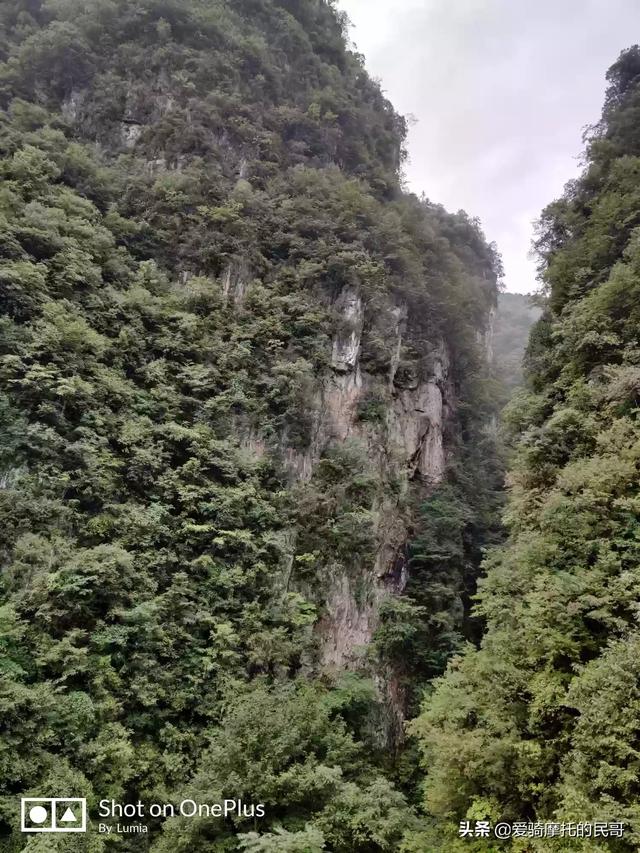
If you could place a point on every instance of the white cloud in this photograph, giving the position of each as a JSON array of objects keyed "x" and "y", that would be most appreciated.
[{"x": 501, "y": 90}]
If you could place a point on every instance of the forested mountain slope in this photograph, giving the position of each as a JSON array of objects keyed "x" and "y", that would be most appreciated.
[
  {"x": 515, "y": 315},
  {"x": 542, "y": 722},
  {"x": 245, "y": 477}
]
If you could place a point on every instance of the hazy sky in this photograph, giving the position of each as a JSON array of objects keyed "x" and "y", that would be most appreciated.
[{"x": 501, "y": 90}]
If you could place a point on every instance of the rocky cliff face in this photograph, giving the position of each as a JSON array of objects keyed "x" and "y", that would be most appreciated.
[
  {"x": 407, "y": 445},
  {"x": 258, "y": 176}
]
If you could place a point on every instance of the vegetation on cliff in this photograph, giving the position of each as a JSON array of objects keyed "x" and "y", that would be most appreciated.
[
  {"x": 187, "y": 188},
  {"x": 542, "y": 721}
]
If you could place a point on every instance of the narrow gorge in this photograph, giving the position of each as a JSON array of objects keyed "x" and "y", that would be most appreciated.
[{"x": 254, "y": 542}]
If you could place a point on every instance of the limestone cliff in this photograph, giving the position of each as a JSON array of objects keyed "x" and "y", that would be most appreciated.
[
  {"x": 407, "y": 443},
  {"x": 293, "y": 300}
]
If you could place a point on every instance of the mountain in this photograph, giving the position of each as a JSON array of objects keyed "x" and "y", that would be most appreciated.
[
  {"x": 246, "y": 476},
  {"x": 541, "y": 722},
  {"x": 515, "y": 315}
]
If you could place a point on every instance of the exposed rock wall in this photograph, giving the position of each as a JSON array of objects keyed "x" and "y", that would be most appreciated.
[
  {"x": 234, "y": 281},
  {"x": 409, "y": 443}
]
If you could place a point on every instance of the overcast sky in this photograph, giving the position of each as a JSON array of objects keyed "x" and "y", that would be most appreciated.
[{"x": 501, "y": 90}]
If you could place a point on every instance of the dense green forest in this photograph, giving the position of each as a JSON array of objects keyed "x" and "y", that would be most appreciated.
[
  {"x": 542, "y": 721},
  {"x": 515, "y": 315},
  {"x": 249, "y": 466},
  {"x": 245, "y": 475}
]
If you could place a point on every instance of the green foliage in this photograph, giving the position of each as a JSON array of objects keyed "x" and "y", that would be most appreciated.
[
  {"x": 187, "y": 189},
  {"x": 541, "y": 721},
  {"x": 420, "y": 630},
  {"x": 309, "y": 840},
  {"x": 373, "y": 408},
  {"x": 334, "y": 510},
  {"x": 398, "y": 635},
  {"x": 284, "y": 748}
]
